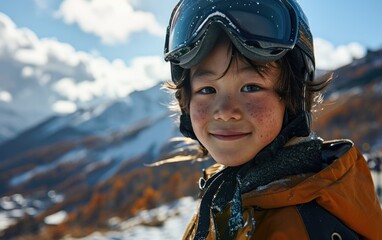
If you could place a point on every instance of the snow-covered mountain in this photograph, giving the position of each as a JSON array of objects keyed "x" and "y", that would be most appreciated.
[
  {"x": 134, "y": 112},
  {"x": 76, "y": 152},
  {"x": 107, "y": 135}
]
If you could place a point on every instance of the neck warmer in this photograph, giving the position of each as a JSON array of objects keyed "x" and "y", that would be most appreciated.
[{"x": 224, "y": 189}]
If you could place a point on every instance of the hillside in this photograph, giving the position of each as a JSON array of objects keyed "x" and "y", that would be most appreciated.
[
  {"x": 353, "y": 104},
  {"x": 89, "y": 166}
]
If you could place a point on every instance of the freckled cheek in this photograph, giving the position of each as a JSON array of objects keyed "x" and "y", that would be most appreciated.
[
  {"x": 257, "y": 111},
  {"x": 198, "y": 111},
  {"x": 264, "y": 114}
]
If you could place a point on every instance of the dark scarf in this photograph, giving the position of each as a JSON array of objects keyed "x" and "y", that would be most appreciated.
[{"x": 274, "y": 162}]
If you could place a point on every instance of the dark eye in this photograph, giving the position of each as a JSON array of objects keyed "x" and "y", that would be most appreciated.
[
  {"x": 207, "y": 90},
  {"x": 250, "y": 88}
]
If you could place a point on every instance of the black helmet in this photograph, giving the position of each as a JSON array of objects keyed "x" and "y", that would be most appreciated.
[{"x": 261, "y": 30}]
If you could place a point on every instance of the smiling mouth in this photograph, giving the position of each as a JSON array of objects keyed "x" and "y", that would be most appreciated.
[{"x": 229, "y": 136}]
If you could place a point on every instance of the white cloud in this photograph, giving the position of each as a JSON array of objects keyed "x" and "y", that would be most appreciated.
[
  {"x": 64, "y": 107},
  {"x": 112, "y": 21},
  {"x": 135, "y": 2},
  {"x": 69, "y": 89},
  {"x": 54, "y": 77},
  {"x": 5, "y": 96},
  {"x": 27, "y": 72},
  {"x": 329, "y": 57},
  {"x": 31, "y": 56}
]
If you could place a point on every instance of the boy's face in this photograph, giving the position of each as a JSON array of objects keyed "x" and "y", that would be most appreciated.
[{"x": 234, "y": 115}]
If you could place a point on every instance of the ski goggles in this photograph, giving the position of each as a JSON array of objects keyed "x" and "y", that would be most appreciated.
[{"x": 262, "y": 30}]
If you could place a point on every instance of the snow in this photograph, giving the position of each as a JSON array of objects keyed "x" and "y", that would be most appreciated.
[
  {"x": 5, "y": 221},
  {"x": 176, "y": 217},
  {"x": 112, "y": 116},
  {"x": 129, "y": 128},
  {"x": 12, "y": 202},
  {"x": 152, "y": 133},
  {"x": 7, "y": 204},
  {"x": 144, "y": 112},
  {"x": 55, "y": 125},
  {"x": 15, "y": 207},
  {"x": 75, "y": 155},
  {"x": 55, "y": 197},
  {"x": 56, "y": 218},
  {"x": 156, "y": 132}
]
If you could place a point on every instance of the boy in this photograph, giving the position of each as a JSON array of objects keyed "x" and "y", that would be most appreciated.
[{"x": 243, "y": 73}]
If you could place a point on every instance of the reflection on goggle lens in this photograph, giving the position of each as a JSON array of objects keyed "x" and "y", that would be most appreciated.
[{"x": 263, "y": 23}]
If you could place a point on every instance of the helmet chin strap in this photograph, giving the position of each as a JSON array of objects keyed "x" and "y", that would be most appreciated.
[
  {"x": 301, "y": 130},
  {"x": 185, "y": 126}
]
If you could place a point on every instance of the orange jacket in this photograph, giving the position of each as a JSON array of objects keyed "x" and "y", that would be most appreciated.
[{"x": 344, "y": 188}]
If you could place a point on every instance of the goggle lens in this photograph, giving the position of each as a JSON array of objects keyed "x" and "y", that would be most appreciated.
[{"x": 269, "y": 24}]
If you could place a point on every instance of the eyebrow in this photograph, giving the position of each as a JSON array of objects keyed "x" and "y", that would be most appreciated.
[
  {"x": 200, "y": 72},
  {"x": 247, "y": 68}
]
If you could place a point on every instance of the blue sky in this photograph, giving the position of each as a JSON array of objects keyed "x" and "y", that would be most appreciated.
[
  {"x": 63, "y": 54},
  {"x": 344, "y": 21}
]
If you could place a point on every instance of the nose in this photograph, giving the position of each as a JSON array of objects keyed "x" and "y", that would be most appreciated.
[{"x": 227, "y": 109}]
